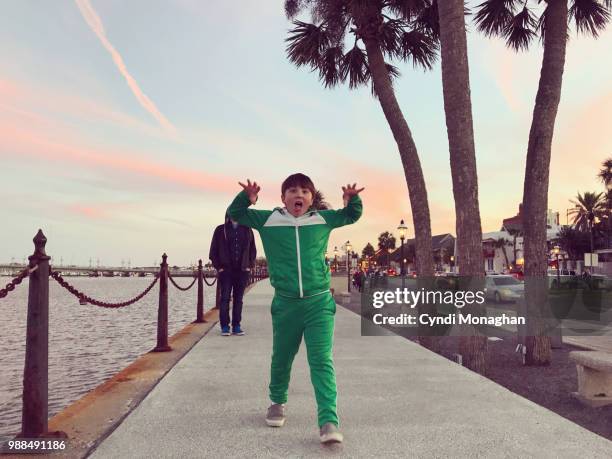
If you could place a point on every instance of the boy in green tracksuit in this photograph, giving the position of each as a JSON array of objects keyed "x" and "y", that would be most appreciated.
[{"x": 295, "y": 241}]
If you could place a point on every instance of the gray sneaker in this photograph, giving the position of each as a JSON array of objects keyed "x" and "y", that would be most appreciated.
[
  {"x": 330, "y": 434},
  {"x": 276, "y": 415}
]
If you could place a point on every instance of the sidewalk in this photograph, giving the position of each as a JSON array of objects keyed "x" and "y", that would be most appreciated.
[{"x": 396, "y": 399}]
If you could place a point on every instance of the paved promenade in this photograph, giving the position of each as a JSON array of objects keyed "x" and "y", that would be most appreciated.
[{"x": 396, "y": 399}]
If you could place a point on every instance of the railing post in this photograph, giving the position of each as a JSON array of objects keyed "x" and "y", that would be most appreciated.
[
  {"x": 200, "y": 308},
  {"x": 34, "y": 414},
  {"x": 162, "y": 312}
]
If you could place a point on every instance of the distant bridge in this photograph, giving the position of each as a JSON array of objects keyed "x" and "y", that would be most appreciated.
[{"x": 13, "y": 269}]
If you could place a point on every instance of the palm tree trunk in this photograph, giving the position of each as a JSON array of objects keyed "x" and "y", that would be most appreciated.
[
  {"x": 505, "y": 254},
  {"x": 537, "y": 168},
  {"x": 411, "y": 163},
  {"x": 459, "y": 127},
  {"x": 368, "y": 22}
]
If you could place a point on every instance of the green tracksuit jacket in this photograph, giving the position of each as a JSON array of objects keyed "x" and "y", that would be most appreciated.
[
  {"x": 295, "y": 246},
  {"x": 302, "y": 306}
]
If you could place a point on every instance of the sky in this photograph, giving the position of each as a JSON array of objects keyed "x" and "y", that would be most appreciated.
[{"x": 125, "y": 127}]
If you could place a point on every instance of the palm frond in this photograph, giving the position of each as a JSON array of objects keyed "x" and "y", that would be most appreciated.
[
  {"x": 590, "y": 16},
  {"x": 494, "y": 16},
  {"x": 428, "y": 21},
  {"x": 294, "y": 7},
  {"x": 306, "y": 44},
  {"x": 407, "y": 9},
  {"x": 419, "y": 47},
  {"x": 521, "y": 30},
  {"x": 329, "y": 66},
  {"x": 354, "y": 67},
  {"x": 605, "y": 173},
  {"x": 389, "y": 37}
]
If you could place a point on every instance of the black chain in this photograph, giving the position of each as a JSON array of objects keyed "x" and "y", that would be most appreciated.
[
  {"x": 212, "y": 283},
  {"x": 16, "y": 281},
  {"x": 184, "y": 289},
  {"x": 81, "y": 296}
]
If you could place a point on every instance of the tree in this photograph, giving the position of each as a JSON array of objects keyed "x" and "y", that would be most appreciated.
[
  {"x": 517, "y": 22},
  {"x": 605, "y": 175},
  {"x": 515, "y": 233},
  {"x": 319, "y": 202},
  {"x": 587, "y": 207},
  {"x": 393, "y": 29},
  {"x": 386, "y": 243},
  {"x": 460, "y": 131},
  {"x": 574, "y": 242},
  {"x": 501, "y": 243},
  {"x": 368, "y": 251}
]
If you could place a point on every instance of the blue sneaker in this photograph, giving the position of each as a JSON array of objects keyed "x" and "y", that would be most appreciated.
[
  {"x": 225, "y": 331},
  {"x": 237, "y": 331}
]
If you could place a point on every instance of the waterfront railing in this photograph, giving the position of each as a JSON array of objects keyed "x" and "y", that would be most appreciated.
[{"x": 34, "y": 420}]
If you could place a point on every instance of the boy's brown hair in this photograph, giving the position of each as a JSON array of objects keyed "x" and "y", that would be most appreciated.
[{"x": 300, "y": 180}]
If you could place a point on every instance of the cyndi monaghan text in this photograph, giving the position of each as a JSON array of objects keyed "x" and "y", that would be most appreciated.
[{"x": 451, "y": 319}]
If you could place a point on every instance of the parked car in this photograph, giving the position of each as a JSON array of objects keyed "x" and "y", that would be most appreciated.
[
  {"x": 391, "y": 272},
  {"x": 504, "y": 288}
]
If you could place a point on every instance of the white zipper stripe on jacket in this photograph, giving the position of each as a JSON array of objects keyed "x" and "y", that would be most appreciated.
[{"x": 299, "y": 261}]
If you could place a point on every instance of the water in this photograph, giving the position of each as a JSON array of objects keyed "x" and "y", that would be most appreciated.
[{"x": 87, "y": 344}]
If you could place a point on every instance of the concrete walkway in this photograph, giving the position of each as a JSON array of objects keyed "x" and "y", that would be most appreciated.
[{"x": 396, "y": 399}]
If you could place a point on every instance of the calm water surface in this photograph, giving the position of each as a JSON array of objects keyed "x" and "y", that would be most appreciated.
[{"x": 87, "y": 344}]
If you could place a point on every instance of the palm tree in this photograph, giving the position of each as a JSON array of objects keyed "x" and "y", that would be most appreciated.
[
  {"x": 515, "y": 233},
  {"x": 501, "y": 243},
  {"x": 319, "y": 202},
  {"x": 587, "y": 207},
  {"x": 517, "y": 22},
  {"x": 459, "y": 126},
  {"x": 393, "y": 29},
  {"x": 605, "y": 175}
]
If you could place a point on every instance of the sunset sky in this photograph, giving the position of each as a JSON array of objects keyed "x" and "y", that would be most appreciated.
[{"x": 126, "y": 125}]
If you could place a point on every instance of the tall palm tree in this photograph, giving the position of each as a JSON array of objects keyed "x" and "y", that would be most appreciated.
[
  {"x": 515, "y": 233},
  {"x": 517, "y": 22},
  {"x": 459, "y": 126},
  {"x": 588, "y": 207},
  {"x": 380, "y": 29}
]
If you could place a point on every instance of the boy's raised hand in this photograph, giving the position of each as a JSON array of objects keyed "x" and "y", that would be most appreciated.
[
  {"x": 251, "y": 190},
  {"x": 349, "y": 191}
]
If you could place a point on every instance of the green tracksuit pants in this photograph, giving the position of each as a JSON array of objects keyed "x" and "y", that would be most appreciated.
[{"x": 312, "y": 318}]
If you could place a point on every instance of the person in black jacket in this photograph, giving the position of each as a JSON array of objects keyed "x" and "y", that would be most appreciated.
[{"x": 232, "y": 252}]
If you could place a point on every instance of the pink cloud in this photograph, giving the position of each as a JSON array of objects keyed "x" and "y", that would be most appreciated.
[{"x": 95, "y": 23}]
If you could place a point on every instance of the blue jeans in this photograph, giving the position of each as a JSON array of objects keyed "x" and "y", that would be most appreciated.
[{"x": 232, "y": 283}]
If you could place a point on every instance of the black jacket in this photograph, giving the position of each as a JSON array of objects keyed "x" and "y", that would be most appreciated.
[{"x": 219, "y": 252}]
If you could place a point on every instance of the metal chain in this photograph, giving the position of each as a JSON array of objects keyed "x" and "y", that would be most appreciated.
[
  {"x": 81, "y": 296},
  {"x": 184, "y": 289},
  {"x": 16, "y": 281},
  {"x": 212, "y": 283}
]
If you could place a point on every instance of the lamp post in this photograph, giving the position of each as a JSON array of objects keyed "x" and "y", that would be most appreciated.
[
  {"x": 402, "y": 232},
  {"x": 348, "y": 260},
  {"x": 556, "y": 252},
  {"x": 452, "y": 260},
  {"x": 336, "y": 259}
]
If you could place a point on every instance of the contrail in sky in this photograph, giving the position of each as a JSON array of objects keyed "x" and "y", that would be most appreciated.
[{"x": 93, "y": 20}]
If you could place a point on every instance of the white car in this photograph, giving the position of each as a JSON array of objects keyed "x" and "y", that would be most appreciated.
[{"x": 504, "y": 287}]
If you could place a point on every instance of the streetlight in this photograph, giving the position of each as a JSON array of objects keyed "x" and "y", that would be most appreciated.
[
  {"x": 452, "y": 260},
  {"x": 348, "y": 260},
  {"x": 556, "y": 252},
  {"x": 402, "y": 232},
  {"x": 335, "y": 258}
]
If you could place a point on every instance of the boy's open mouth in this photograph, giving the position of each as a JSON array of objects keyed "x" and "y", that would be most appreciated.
[{"x": 298, "y": 205}]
